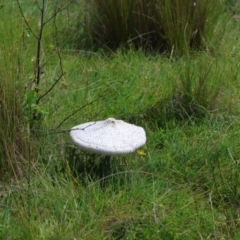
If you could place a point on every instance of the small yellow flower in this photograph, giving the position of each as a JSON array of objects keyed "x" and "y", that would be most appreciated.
[{"x": 141, "y": 152}]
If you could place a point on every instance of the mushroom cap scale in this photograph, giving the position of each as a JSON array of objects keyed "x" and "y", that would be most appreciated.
[{"x": 108, "y": 137}]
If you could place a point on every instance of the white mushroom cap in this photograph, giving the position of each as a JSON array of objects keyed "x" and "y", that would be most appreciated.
[{"x": 108, "y": 137}]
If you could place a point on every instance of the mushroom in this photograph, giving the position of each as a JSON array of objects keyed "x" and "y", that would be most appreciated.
[{"x": 109, "y": 137}]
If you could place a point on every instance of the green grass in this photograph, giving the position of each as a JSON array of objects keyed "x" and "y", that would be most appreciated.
[
  {"x": 171, "y": 27},
  {"x": 185, "y": 187}
]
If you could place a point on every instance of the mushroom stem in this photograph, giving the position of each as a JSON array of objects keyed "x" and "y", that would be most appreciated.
[
  {"x": 108, "y": 161},
  {"x": 105, "y": 166}
]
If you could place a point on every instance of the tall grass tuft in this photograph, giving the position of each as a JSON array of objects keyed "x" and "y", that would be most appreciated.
[
  {"x": 13, "y": 133},
  {"x": 187, "y": 24},
  {"x": 199, "y": 86},
  {"x": 125, "y": 23},
  {"x": 12, "y": 143},
  {"x": 169, "y": 26}
]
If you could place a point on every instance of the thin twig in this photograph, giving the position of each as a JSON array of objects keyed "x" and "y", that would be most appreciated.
[
  {"x": 65, "y": 119},
  {"x": 55, "y": 14},
  {"x": 50, "y": 89},
  {"x": 53, "y": 130},
  {"x": 38, "y": 4},
  {"x": 39, "y": 43},
  {"x": 123, "y": 172},
  {"x": 25, "y": 20},
  {"x": 58, "y": 53}
]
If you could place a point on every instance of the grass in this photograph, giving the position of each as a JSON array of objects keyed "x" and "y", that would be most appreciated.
[
  {"x": 170, "y": 27},
  {"x": 185, "y": 187},
  {"x": 13, "y": 147}
]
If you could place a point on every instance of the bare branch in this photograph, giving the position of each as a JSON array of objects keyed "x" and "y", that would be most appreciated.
[
  {"x": 74, "y": 112},
  {"x": 58, "y": 52},
  {"x": 59, "y": 57},
  {"x": 25, "y": 20},
  {"x": 36, "y": 1},
  {"x": 39, "y": 42},
  {"x": 50, "y": 89},
  {"x": 53, "y": 16},
  {"x": 56, "y": 12}
]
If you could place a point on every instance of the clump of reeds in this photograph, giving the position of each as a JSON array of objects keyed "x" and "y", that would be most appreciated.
[{"x": 169, "y": 26}]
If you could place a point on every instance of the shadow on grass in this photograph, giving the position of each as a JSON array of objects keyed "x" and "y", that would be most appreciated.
[{"x": 92, "y": 167}]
